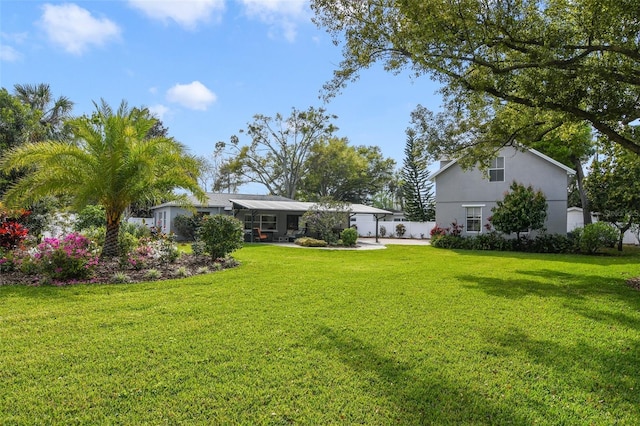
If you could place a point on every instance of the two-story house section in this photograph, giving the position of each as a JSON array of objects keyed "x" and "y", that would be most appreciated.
[{"x": 467, "y": 196}]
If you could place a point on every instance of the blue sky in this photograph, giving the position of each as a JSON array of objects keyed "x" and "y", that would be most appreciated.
[{"x": 205, "y": 67}]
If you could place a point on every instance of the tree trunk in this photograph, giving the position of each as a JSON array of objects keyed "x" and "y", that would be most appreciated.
[
  {"x": 111, "y": 248},
  {"x": 622, "y": 231},
  {"x": 586, "y": 210}
]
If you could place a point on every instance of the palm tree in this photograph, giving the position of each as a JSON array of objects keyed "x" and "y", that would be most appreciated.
[
  {"x": 54, "y": 111},
  {"x": 110, "y": 162}
]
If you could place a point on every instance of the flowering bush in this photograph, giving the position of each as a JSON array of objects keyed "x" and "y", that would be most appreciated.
[
  {"x": 12, "y": 232},
  {"x": 160, "y": 247},
  {"x": 68, "y": 259},
  {"x": 438, "y": 232}
]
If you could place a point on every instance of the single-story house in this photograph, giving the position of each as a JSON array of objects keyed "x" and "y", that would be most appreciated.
[
  {"x": 276, "y": 217},
  {"x": 467, "y": 196}
]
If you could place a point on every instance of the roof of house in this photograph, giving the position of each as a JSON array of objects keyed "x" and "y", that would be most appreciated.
[
  {"x": 215, "y": 199},
  {"x": 298, "y": 206},
  {"x": 569, "y": 170}
]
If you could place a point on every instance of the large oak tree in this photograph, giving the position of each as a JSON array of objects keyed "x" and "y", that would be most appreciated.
[
  {"x": 578, "y": 60},
  {"x": 278, "y": 147}
]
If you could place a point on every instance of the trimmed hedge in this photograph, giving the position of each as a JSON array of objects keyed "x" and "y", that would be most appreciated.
[{"x": 544, "y": 243}]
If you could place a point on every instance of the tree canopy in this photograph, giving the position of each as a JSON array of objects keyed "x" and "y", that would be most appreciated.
[
  {"x": 278, "y": 149},
  {"x": 614, "y": 188},
  {"x": 555, "y": 61},
  {"x": 110, "y": 162},
  {"x": 343, "y": 172}
]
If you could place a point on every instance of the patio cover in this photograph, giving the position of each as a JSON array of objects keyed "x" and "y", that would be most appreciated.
[{"x": 299, "y": 206}]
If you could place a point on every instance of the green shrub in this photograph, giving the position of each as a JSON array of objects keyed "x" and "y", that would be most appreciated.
[
  {"x": 597, "y": 235},
  {"x": 198, "y": 248},
  {"x": 187, "y": 226},
  {"x": 92, "y": 216},
  {"x": 120, "y": 278},
  {"x": 349, "y": 237},
  {"x": 401, "y": 230},
  {"x": 221, "y": 234},
  {"x": 491, "y": 241},
  {"x": 152, "y": 274},
  {"x": 550, "y": 243},
  {"x": 310, "y": 242}
]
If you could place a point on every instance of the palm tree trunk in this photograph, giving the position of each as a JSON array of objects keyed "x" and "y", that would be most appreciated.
[{"x": 111, "y": 248}]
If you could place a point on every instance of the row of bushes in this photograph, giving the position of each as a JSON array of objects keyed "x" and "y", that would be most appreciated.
[{"x": 587, "y": 240}]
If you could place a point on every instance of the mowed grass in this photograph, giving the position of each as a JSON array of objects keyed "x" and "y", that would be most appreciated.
[{"x": 406, "y": 335}]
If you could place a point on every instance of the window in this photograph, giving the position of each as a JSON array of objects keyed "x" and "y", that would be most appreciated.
[
  {"x": 266, "y": 222},
  {"x": 474, "y": 219},
  {"x": 496, "y": 170}
]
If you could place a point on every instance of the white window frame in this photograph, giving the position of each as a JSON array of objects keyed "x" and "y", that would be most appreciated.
[
  {"x": 495, "y": 168},
  {"x": 477, "y": 217}
]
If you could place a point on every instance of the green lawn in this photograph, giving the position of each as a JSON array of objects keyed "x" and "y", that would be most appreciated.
[{"x": 407, "y": 335}]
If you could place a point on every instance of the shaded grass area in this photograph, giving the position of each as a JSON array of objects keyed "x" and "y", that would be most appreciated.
[{"x": 407, "y": 335}]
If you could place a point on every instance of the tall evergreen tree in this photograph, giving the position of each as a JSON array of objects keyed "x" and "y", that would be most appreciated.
[{"x": 416, "y": 188}]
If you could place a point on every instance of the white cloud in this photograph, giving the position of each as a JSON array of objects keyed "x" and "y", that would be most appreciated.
[
  {"x": 17, "y": 38},
  {"x": 282, "y": 16},
  {"x": 159, "y": 111},
  {"x": 193, "y": 96},
  {"x": 186, "y": 13},
  {"x": 9, "y": 54},
  {"x": 73, "y": 27}
]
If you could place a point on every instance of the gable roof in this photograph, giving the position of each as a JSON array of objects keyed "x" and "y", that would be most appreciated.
[
  {"x": 215, "y": 199},
  {"x": 567, "y": 169}
]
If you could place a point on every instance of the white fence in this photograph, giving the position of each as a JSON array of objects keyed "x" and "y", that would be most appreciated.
[{"x": 367, "y": 228}]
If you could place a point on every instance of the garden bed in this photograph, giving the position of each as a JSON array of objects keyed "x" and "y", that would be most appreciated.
[{"x": 111, "y": 271}]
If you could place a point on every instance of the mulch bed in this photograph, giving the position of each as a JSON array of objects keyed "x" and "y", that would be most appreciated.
[
  {"x": 106, "y": 270},
  {"x": 634, "y": 282}
]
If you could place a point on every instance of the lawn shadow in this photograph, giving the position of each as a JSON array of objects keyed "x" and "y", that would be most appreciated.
[
  {"x": 606, "y": 376},
  {"x": 414, "y": 398},
  {"x": 574, "y": 289},
  {"x": 601, "y": 259}
]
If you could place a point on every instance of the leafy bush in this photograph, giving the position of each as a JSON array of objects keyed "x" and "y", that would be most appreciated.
[
  {"x": 92, "y": 216},
  {"x": 327, "y": 218},
  {"x": 551, "y": 243},
  {"x": 68, "y": 259},
  {"x": 523, "y": 209},
  {"x": 449, "y": 241},
  {"x": 401, "y": 230},
  {"x": 597, "y": 235},
  {"x": 383, "y": 231},
  {"x": 198, "y": 248},
  {"x": 491, "y": 241},
  {"x": 152, "y": 274},
  {"x": 187, "y": 226},
  {"x": 349, "y": 237},
  {"x": 310, "y": 242},
  {"x": 221, "y": 234},
  {"x": 544, "y": 243}
]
